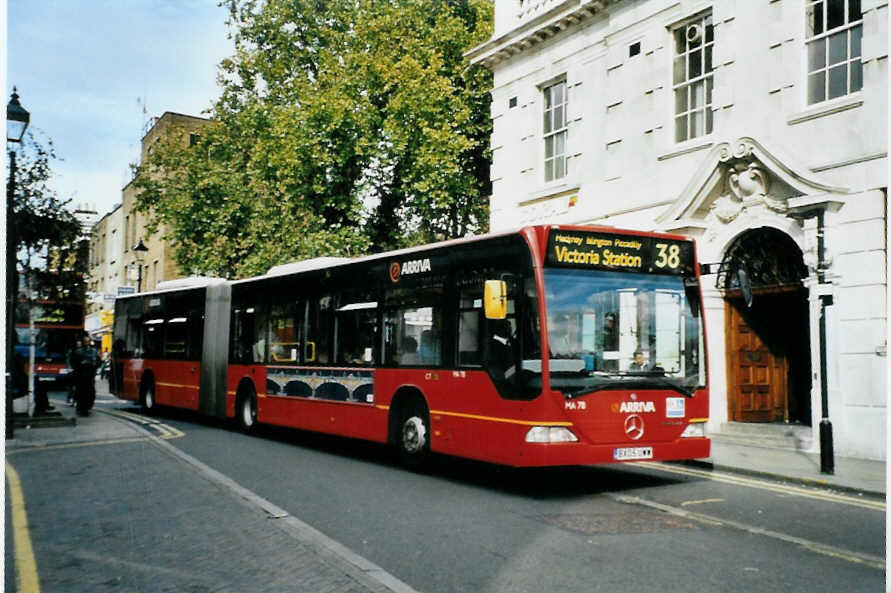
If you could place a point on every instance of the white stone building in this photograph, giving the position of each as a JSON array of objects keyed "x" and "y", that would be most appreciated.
[{"x": 751, "y": 125}]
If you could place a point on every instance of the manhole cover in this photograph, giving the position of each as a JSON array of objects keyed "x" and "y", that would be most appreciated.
[{"x": 614, "y": 523}]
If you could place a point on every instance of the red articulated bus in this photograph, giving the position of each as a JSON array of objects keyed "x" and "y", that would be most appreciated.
[{"x": 549, "y": 345}]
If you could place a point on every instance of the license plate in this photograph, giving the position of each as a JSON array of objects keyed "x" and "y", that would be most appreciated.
[{"x": 626, "y": 453}]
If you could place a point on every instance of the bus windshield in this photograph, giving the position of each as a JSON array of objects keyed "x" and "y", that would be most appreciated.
[{"x": 609, "y": 330}]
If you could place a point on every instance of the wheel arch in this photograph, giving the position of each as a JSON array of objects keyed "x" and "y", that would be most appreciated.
[{"x": 406, "y": 397}]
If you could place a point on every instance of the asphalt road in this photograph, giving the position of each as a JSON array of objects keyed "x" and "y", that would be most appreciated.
[{"x": 466, "y": 526}]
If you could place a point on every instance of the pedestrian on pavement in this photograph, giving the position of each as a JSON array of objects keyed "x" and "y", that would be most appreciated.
[{"x": 84, "y": 361}]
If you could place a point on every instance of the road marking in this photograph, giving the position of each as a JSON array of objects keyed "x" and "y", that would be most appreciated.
[
  {"x": 26, "y": 566},
  {"x": 827, "y": 550},
  {"x": 163, "y": 430},
  {"x": 687, "y": 503},
  {"x": 875, "y": 505},
  {"x": 33, "y": 448}
]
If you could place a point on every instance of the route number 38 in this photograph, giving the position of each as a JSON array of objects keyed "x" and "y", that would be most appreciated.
[{"x": 668, "y": 256}]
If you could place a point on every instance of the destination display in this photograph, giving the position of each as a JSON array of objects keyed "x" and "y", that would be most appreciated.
[{"x": 625, "y": 253}]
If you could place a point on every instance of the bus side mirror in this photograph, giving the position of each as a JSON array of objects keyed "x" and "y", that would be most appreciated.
[{"x": 495, "y": 299}]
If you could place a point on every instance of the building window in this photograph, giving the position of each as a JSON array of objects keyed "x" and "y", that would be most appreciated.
[
  {"x": 693, "y": 78},
  {"x": 555, "y": 131},
  {"x": 834, "y": 29}
]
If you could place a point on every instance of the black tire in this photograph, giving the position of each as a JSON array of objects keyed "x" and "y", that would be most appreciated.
[
  {"x": 148, "y": 399},
  {"x": 412, "y": 436},
  {"x": 246, "y": 410}
]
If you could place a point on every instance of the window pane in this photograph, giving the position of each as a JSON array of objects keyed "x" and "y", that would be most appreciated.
[
  {"x": 547, "y": 97},
  {"x": 816, "y": 55},
  {"x": 549, "y": 170},
  {"x": 546, "y": 119},
  {"x": 838, "y": 81},
  {"x": 558, "y": 93},
  {"x": 559, "y": 168},
  {"x": 854, "y": 13},
  {"x": 856, "y": 35},
  {"x": 697, "y": 95},
  {"x": 838, "y": 47},
  {"x": 680, "y": 128},
  {"x": 814, "y": 20},
  {"x": 679, "y": 70},
  {"x": 559, "y": 117},
  {"x": 680, "y": 100},
  {"x": 549, "y": 147},
  {"x": 695, "y": 64},
  {"x": 816, "y": 87},
  {"x": 560, "y": 144},
  {"x": 835, "y": 14},
  {"x": 709, "y": 83},
  {"x": 708, "y": 120},
  {"x": 708, "y": 59},
  {"x": 680, "y": 41},
  {"x": 697, "y": 123},
  {"x": 709, "y": 30},
  {"x": 856, "y": 76}
]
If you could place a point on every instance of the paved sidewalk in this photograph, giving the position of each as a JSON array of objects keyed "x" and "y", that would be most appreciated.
[
  {"x": 856, "y": 475},
  {"x": 112, "y": 507}
]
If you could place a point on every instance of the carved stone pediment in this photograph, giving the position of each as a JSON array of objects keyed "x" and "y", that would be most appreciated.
[{"x": 736, "y": 177}]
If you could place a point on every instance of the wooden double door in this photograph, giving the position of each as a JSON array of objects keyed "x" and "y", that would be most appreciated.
[{"x": 768, "y": 360}]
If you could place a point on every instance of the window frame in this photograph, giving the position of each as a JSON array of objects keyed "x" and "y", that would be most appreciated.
[
  {"x": 549, "y": 131},
  {"x": 848, "y": 27},
  {"x": 706, "y": 76}
]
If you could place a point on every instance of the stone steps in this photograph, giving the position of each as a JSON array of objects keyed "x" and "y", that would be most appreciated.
[{"x": 776, "y": 436}]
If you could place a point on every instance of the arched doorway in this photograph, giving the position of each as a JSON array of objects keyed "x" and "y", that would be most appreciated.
[{"x": 767, "y": 329}]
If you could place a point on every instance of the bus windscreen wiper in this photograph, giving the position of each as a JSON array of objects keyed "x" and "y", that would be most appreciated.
[{"x": 621, "y": 379}]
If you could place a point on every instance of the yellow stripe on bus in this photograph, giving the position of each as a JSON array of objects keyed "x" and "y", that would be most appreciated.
[
  {"x": 178, "y": 385},
  {"x": 496, "y": 419}
]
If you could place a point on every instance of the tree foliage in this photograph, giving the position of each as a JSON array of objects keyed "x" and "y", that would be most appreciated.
[
  {"x": 43, "y": 228},
  {"x": 343, "y": 126}
]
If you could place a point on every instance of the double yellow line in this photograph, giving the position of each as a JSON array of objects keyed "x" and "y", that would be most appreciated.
[
  {"x": 26, "y": 566},
  {"x": 164, "y": 431},
  {"x": 737, "y": 480}
]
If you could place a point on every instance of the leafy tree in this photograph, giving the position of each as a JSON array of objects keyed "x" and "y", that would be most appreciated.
[
  {"x": 43, "y": 227},
  {"x": 343, "y": 126}
]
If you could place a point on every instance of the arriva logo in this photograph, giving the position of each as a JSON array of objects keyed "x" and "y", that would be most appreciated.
[
  {"x": 415, "y": 266},
  {"x": 637, "y": 407}
]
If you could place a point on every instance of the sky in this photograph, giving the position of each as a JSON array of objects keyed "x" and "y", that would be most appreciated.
[{"x": 84, "y": 69}]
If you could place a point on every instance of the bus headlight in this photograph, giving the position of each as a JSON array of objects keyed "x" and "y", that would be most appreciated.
[
  {"x": 550, "y": 434},
  {"x": 694, "y": 430}
]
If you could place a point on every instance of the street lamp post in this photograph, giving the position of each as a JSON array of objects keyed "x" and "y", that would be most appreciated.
[
  {"x": 139, "y": 251},
  {"x": 17, "y": 119}
]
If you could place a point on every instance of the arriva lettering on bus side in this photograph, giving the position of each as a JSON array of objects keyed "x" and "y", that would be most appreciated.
[{"x": 415, "y": 266}]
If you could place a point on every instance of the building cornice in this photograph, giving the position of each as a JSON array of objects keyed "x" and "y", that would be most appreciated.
[{"x": 535, "y": 31}]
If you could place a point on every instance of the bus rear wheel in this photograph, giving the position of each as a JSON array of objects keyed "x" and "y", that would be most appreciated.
[
  {"x": 149, "y": 405},
  {"x": 246, "y": 411},
  {"x": 413, "y": 437}
]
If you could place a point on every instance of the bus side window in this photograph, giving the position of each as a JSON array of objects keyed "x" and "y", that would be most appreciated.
[{"x": 319, "y": 328}]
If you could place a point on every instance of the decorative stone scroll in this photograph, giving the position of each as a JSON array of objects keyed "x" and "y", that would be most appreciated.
[{"x": 747, "y": 183}]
